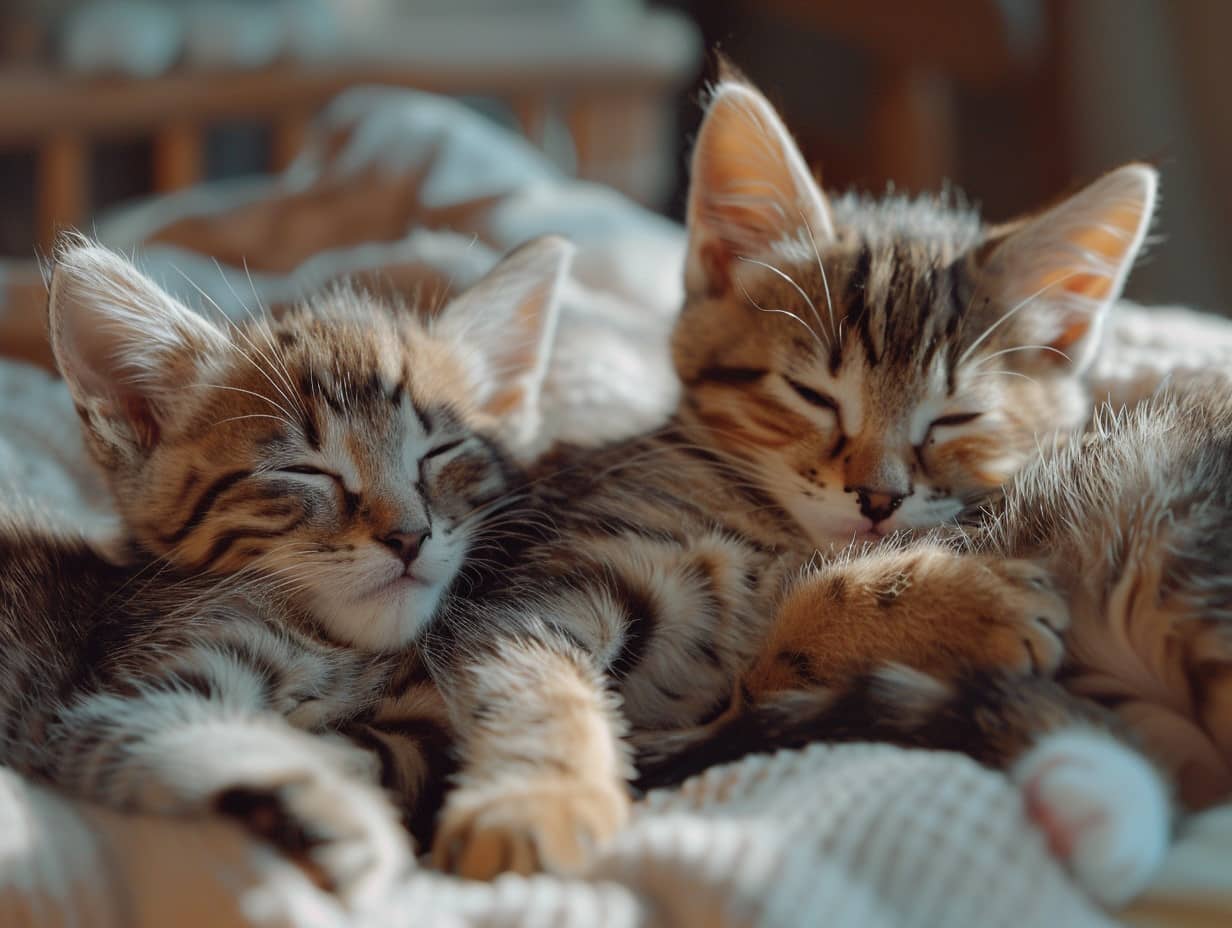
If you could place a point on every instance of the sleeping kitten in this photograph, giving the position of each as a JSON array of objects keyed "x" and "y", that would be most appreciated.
[
  {"x": 1131, "y": 520},
  {"x": 303, "y": 495},
  {"x": 851, "y": 368}
]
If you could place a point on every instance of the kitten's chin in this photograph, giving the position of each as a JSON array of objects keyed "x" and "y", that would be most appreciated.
[
  {"x": 830, "y": 532},
  {"x": 391, "y": 618}
]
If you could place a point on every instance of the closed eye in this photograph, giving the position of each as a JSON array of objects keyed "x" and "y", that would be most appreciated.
[
  {"x": 308, "y": 470},
  {"x": 958, "y": 418},
  {"x": 443, "y": 449},
  {"x": 814, "y": 397}
]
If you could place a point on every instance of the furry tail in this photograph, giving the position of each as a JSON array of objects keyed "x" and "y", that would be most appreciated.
[{"x": 992, "y": 718}]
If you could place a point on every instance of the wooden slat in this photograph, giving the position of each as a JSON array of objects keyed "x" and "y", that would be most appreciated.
[
  {"x": 287, "y": 137},
  {"x": 968, "y": 39},
  {"x": 911, "y": 128},
  {"x": 63, "y": 197},
  {"x": 179, "y": 156},
  {"x": 34, "y": 104},
  {"x": 531, "y": 112},
  {"x": 23, "y": 315}
]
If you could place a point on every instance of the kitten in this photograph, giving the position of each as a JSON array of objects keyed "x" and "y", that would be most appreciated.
[
  {"x": 302, "y": 495},
  {"x": 850, "y": 368},
  {"x": 1132, "y": 520}
]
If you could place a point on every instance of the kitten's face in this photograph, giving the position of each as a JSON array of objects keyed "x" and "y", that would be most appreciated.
[
  {"x": 337, "y": 452},
  {"x": 891, "y": 416},
  {"x": 343, "y": 456},
  {"x": 879, "y": 366}
]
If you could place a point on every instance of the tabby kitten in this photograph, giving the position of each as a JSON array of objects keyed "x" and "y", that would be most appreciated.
[
  {"x": 302, "y": 494},
  {"x": 851, "y": 368},
  {"x": 1133, "y": 521}
]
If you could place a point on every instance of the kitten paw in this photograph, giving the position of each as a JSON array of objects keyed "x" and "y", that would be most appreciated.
[
  {"x": 344, "y": 833},
  {"x": 1103, "y": 808},
  {"x": 554, "y": 827},
  {"x": 1022, "y": 615}
]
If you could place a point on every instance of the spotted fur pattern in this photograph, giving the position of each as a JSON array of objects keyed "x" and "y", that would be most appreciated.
[{"x": 301, "y": 495}]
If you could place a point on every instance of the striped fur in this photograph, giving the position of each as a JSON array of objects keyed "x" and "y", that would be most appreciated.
[
  {"x": 302, "y": 495},
  {"x": 851, "y": 368},
  {"x": 1133, "y": 522}
]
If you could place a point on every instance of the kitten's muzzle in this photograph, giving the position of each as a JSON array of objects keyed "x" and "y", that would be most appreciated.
[
  {"x": 406, "y": 543},
  {"x": 877, "y": 506}
]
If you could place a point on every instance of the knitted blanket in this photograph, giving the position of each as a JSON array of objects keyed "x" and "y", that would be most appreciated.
[{"x": 416, "y": 192}]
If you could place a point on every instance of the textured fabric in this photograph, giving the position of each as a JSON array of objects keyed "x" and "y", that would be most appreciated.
[{"x": 861, "y": 836}]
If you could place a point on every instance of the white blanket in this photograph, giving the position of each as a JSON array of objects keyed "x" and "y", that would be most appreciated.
[{"x": 861, "y": 836}]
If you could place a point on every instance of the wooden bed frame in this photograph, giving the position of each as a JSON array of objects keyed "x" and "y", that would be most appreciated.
[{"x": 614, "y": 99}]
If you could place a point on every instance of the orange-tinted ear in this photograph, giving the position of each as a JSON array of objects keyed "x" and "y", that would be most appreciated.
[
  {"x": 1063, "y": 268},
  {"x": 126, "y": 348},
  {"x": 750, "y": 189},
  {"x": 506, "y": 325}
]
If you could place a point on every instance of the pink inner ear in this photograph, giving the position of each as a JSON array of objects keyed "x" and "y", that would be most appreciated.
[
  {"x": 751, "y": 188},
  {"x": 90, "y": 356}
]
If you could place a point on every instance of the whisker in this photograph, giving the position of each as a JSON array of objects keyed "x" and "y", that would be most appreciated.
[
  {"x": 238, "y": 330},
  {"x": 265, "y": 399},
  {"x": 788, "y": 278},
  {"x": 1028, "y": 300},
  {"x": 817, "y": 338},
  {"x": 821, "y": 269},
  {"x": 1005, "y": 374},
  {"x": 996, "y": 354}
]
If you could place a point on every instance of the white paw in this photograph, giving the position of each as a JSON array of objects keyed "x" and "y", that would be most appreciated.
[
  {"x": 1103, "y": 808},
  {"x": 339, "y": 827}
]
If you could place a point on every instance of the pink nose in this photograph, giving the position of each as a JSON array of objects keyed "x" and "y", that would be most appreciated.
[{"x": 406, "y": 544}]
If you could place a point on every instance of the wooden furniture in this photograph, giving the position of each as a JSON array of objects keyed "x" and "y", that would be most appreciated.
[
  {"x": 610, "y": 91},
  {"x": 921, "y": 53}
]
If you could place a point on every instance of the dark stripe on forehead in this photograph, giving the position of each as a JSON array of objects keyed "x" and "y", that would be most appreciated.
[
  {"x": 313, "y": 386},
  {"x": 958, "y": 308},
  {"x": 931, "y": 282},
  {"x": 858, "y": 309},
  {"x": 204, "y": 503},
  {"x": 857, "y": 283},
  {"x": 896, "y": 306},
  {"x": 929, "y": 337}
]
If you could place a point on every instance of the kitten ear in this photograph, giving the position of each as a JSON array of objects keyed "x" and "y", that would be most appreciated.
[
  {"x": 1063, "y": 268},
  {"x": 750, "y": 188},
  {"x": 125, "y": 347},
  {"x": 507, "y": 322}
]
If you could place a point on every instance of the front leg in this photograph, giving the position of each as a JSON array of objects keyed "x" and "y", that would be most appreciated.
[
  {"x": 171, "y": 749},
  {"x": 544, "y": 771},
  {"x": 926, "y": 607}
]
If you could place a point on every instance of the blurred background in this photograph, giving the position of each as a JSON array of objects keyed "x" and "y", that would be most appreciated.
[{"x": 1012, "y": 101}]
